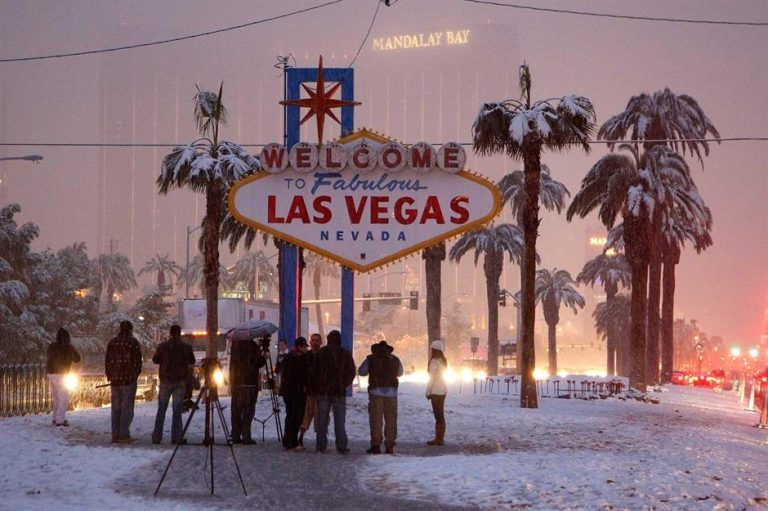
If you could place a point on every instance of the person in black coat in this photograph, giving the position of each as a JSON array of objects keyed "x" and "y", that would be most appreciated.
[
  {"x": 174, "y": 357},
  {"x": 245, "y": 360},
  {"x": 61, "y": 356},
  {"x": 293, "y": 382},
  {"x": 335, "y": 373}
]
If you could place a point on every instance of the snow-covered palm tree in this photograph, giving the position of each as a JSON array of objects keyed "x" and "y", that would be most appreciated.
[
  {"x": 208, "y": 165},
  {"x": 552, "y": 193},
  {"x": 320, "y": 268},
  {"x": 634, "y": 187},
  {"x": 662, "y": 118},
  {"x": 492, "y": 243},
  {"x": 522, "y": 129},
  {"x": 254, "y": 267},
  {"x": 612, "y": 318},
  {"x": 113, "y": 272},
  {"x": 611, "y": 271},
  {"x": 677, "y": 230},
  {"x": 196, "y": 274},
  {"x": 553, "y": 289},
  {"x": 676, "y": 121},
  {"x": 162, "y": 266}
]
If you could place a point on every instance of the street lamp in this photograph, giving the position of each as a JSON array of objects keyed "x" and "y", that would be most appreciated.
[
  {"x": 186, "y": 270},
  {"x": 35, "y": 158}
]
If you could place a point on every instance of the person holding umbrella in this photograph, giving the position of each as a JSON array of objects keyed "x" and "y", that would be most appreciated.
[{"x": 244, "y": 364}]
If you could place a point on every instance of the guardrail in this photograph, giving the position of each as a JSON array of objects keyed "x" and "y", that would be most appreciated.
[{"x": 24, "y": 390}]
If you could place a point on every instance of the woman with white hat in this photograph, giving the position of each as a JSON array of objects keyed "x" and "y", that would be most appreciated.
[{"x": 437, "y": 389}]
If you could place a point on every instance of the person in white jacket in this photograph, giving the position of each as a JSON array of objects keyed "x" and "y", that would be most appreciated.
[{"x": 437, "y": 389}]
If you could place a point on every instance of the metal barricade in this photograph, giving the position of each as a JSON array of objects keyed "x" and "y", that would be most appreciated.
[{"x": 23, "y": 389}]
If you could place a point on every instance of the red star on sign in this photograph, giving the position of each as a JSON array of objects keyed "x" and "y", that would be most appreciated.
[{"x": 320, "y": 102}]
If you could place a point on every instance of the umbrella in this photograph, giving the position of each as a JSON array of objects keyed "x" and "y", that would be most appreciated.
[{"x": 251, "y": 329}]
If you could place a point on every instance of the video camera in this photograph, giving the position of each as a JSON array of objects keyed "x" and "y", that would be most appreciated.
[{"x": 264, "y": 342}]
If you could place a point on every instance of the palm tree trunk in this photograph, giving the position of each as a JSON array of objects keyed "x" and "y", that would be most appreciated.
[
  {"x": 492, "y": 266},
  {"x": 552, "y": 345},
  {"x": 671, "y": 258},
  {"x": 214, "y": 200},
  {"x": 433, "y": 260},
  {"x": 532, "y": 171},
  {"x": 637, "y": 373},
  {"x": 654, "y": 298},
  {"x": 636, "y": 249},
  {"x": 610, "y": 338},
  {"x": 318, "y": 310}
]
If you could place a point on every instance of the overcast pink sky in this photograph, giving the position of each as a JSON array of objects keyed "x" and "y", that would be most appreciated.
[{"x": 143, "y": 95}]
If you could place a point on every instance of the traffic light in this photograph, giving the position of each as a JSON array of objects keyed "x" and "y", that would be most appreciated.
[
  {"x": 366, "y": 303},
  {"x": 503, "y": 297},
  {"x": 414, "y": 301}
]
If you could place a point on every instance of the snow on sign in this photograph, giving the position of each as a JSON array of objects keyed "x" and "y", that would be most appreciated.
[{"x": 364, "y": 201}]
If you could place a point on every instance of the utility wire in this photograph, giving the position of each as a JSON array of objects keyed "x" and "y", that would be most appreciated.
[
  {"x": 175, "y": 39},
  {"x": 619, "y": 16},
  {"x": 661, "y": 141},
  {"x": 373, "y": 20}
]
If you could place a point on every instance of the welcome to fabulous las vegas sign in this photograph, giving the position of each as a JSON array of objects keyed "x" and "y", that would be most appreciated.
[{"x": 364, "y": 200}]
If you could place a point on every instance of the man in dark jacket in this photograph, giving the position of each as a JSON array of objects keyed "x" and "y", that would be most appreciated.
[
  {"x": 174, "y": 357},
  {"x": 61, "y": 356},
  {"x": 335, "y": 372},
  {"x": 293, "y": 382},
  {"x": 122, "y": 365},
  {"x": 245, "y": 360},
  {"x": 382, "y": 369},
  {"x": 310, "y": 408}
]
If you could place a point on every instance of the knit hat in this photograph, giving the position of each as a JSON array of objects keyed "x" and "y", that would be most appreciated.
[{"x": 437, "y": 345}]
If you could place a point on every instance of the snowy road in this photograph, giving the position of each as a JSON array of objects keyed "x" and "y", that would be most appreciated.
[{"x": 697, "y": 450}]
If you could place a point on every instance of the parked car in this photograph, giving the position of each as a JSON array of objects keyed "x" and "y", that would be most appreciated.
[{"x": 680, "y": 377}]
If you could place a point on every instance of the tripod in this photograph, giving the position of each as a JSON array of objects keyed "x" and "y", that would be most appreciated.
[
  {"x": 210, "y": 392},
  {"x": 274, "y": 399}
]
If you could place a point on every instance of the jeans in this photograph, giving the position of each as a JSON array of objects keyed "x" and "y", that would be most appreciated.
[
  {"x": 383, "y": 410},
  {"x": 123, "y": 398},
  {"x": 59, "y": 396},
  {"x": 326, "y": 404},
  {"x": 166, "y": 391},
  {"x": 243, "y": 409},
  {"x": 294, "y": 414}
]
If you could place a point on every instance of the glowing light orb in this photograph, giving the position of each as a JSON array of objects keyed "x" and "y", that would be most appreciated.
[{"x": 71, "y": 381}]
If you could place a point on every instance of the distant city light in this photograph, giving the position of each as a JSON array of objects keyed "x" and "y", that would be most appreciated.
[
  {"x": 735, "y": 351},
  {"x": 597, "y": 241},
  {"x": 753, "y": 352}
]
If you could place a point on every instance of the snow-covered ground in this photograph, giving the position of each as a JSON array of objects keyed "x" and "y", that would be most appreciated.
[{"x": 697, "y": 449}]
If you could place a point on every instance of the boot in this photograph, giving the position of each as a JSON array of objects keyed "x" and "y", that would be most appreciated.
[
  {"x": 374, "y": 449},
  {"x": 301, "y": 437},
  {"x": 439, "y": 435}
]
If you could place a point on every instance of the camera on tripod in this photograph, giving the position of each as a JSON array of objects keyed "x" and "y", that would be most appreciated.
[{"x": 264, "y": 342}]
